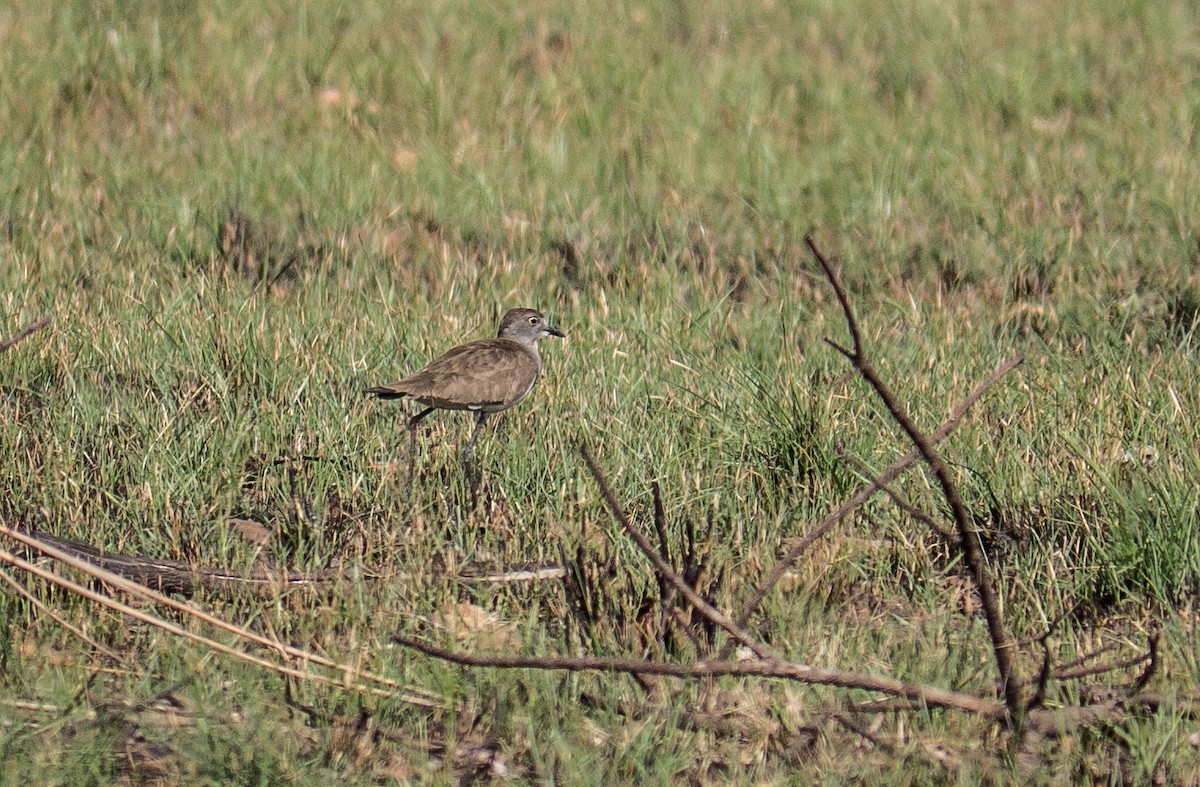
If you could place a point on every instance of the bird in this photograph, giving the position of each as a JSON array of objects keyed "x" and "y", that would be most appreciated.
[{"x": 484, "y": 376}]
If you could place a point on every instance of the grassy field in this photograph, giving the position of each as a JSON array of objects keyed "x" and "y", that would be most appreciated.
[{"x": 240, "y": 216}]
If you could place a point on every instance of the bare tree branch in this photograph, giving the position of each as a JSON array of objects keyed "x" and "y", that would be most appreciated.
[
  {"x": 1085, "y": 658},
  {"x": 1111, "y": 666},
  {"x": 1002, "y": 645},
  {"x": 1043, "y": 680},
  {"x": 927, "y": 696},
  {"x": 665, "y": 569},
  {"x": 863, "y": 495},
  {"x": 24, "y": 333},
  {"x": 1151, "y": 665},
  {"x": 903, "y": 504}
]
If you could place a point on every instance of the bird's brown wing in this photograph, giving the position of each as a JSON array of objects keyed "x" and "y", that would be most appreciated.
[{"x": 483, "y": 374}]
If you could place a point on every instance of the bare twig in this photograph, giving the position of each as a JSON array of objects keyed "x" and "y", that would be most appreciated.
[
  {"x": 1086, "y": 657},
  {"x": 665, "y": 569},
  {"x": 861, "y": 731},
  {"x": 1043, "y": 680},
  {"x": 1073, "y": 670},
  {"x": 24, "y": 333},
  {"x": 1102, "y": 669},
  {"x": 903, "y": 504},
  {"x": 928, "y": 696},
  {"x": 666, "y": 592},
  {"x": 1064, "y": 671},
  {"x": 1151, "y": 665},
  {"x": 1002, "y": 645},
  {"x": 863, "y": 495},
  {"x": 660, "y": 521}
]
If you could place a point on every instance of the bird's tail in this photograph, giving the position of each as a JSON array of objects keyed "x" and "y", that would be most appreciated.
[{"x": 384, "y": 392}]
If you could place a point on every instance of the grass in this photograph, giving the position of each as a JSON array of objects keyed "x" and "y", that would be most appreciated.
[{"x": 240, "y": 217}]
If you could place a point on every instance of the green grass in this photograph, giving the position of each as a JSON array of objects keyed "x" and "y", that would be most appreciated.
[{"x": 240, "y": 216}]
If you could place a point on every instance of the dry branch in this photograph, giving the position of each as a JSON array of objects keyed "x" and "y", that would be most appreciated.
[
  {"x": 925, "y": 696},
  {"x": 864, "y": 494},
  {"x": 1002, "y": 645},
  {"x": 1105, "y": 668},
  {"x": 665, "y": 570},
  {"x": 24, "y": 333}
]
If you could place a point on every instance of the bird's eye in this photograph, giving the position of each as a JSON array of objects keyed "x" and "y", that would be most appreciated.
[{"x": 534, "y": 320}]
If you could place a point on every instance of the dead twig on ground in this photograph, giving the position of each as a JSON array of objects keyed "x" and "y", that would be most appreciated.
[{"x": 925, "y": 696}]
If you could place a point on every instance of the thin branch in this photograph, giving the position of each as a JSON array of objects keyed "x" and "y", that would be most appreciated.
[
  {"x": 1073, "y": 669},
  {"x": 660, "y": 521},
  {"x": 1086, "y": 657},
  {"x": 903, "y": 504},
  {"x": 666, "y": 593},
  {"x": 861, "y": 731},
  {"x": 665, "y": 569},
  {"x": 1151, "y": 666},
  {"x": 863, "y": 495},
  {"x": 928, "y": 696},
  {"x": 24, "y": 333},
  {"x": 1063, "y": 671},
  {"x": 1002, "y": 645},
  {"x": 1101, "y": 669},
  {"x": 851, "y": 323},
  {"x": 1043, "y": 680}
]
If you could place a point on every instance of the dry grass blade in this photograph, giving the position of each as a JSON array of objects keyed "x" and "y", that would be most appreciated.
[{"x": 350, "y": 674}]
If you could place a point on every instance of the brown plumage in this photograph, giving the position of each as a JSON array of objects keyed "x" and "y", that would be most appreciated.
[{"x": 484, "y": 376}]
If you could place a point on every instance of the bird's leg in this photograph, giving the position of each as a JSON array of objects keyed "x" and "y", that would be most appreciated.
[
  {"x": 480, "y": 417},
  {"x": 468, "y": 453},
  {"x": 412, "y": 441}
]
